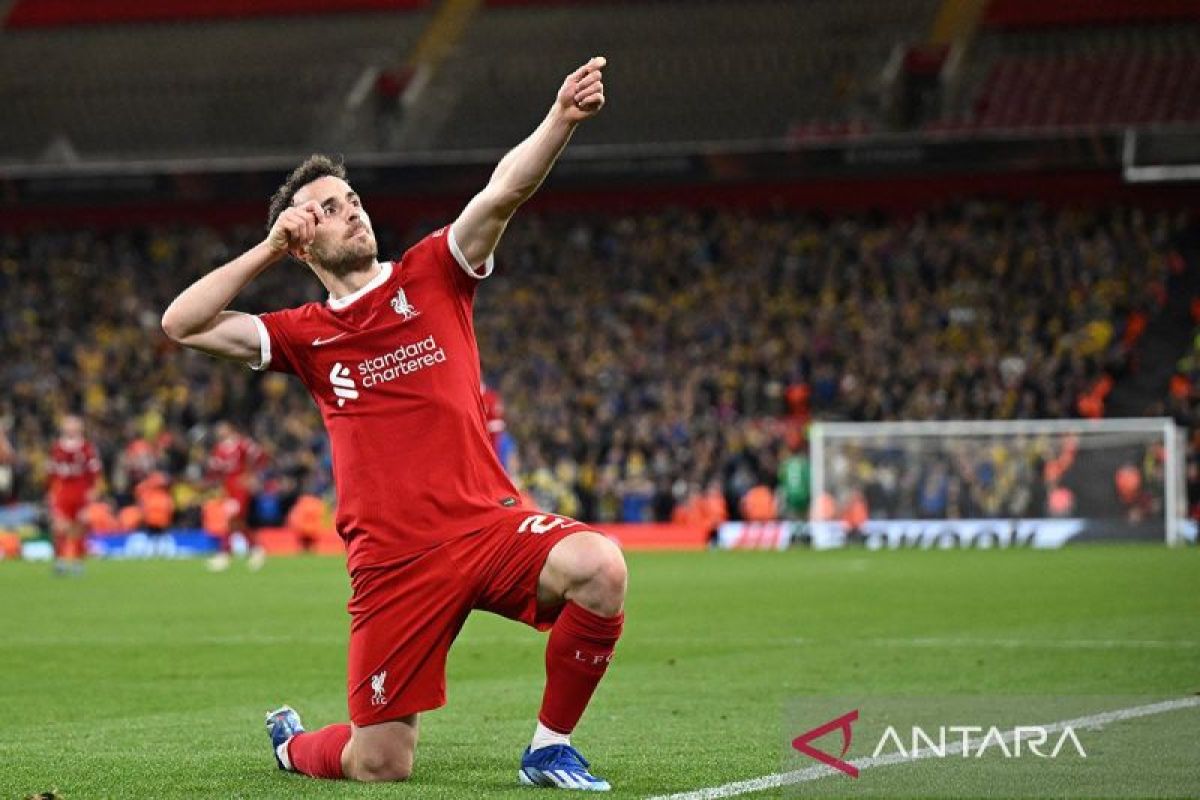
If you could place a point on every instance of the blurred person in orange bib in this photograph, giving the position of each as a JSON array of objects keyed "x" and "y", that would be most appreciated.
[
  {"x": 307, "y": 520},
  {"x": 154, "y": 499}
]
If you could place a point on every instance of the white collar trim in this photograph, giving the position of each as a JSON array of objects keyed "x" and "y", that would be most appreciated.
[{"x": 385, "y": 272}]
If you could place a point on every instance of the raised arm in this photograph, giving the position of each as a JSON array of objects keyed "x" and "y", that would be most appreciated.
[
  {"x": 197, "y": 317},
  {"x": 521, "y": 172}
]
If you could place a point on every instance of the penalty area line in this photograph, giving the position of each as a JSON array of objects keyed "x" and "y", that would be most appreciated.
[{"x": 818, "y": 772}]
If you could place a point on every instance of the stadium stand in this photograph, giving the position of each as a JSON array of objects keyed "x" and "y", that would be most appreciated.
[
  {"x": 1087, "y": 77},
  {"x": 228, "y": 87},
  {"x": 644, "y": 360},
  {"x": 712, "y": 336},
  {"x": 773, "y": 62},
  {"x": 217, "y": 88},
  {"x": 1182, "y": 402}
]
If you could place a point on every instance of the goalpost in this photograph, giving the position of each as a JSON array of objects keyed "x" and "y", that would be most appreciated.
[
  {"x": 998, "y": 483},
  {"x": 1160, "y": 155}
]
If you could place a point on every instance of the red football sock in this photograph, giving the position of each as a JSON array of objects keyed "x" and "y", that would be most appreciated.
[
  {"x": 577, "y": 655},
  {"x": 319, "y": 753},
  {"x": 69, "y": 548}
]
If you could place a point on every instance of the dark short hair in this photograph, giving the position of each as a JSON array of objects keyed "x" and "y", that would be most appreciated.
[{"x": 315, "y": 166}]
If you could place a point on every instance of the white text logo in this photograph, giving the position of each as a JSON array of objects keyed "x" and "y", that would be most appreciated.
[
  {"x": 1033, "y": 737},
  {"x": 594, "y": 659},
  {"x": 404, "y": 360}
]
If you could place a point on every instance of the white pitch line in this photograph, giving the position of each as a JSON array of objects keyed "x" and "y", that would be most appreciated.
[
  {"x": 921, "y": 641},
  {"x": 817, "y": 772},
  {"x": 1068, "y": 644}
]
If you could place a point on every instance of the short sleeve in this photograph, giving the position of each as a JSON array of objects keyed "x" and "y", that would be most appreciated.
[
  {"x": 466, "y": 275},
  {"x": 476, "y": 271},
  {"x": 275, "y": 342}
]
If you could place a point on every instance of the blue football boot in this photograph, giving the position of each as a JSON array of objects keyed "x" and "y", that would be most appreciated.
[
  {"x": 282, "y": 724},
  {"x": 559, "y": 766}
]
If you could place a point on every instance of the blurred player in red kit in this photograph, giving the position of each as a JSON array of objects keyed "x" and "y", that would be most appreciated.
[
  {"x": 433, "y": 526},
  {"x": 233, "y": 463},
  {"x": 74, "y": 478}
]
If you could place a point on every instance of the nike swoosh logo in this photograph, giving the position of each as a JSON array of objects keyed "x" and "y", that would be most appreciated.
[{"x": 319, "y": 341}]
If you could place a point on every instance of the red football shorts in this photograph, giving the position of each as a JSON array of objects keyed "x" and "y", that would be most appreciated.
[
  {"x": 404, "y": 617},
  {"x": 67, "y": 506},
  {"x": 239, "y": 501}
]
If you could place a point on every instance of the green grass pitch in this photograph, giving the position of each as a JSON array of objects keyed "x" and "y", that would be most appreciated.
[{"x": 150, "y": 679}]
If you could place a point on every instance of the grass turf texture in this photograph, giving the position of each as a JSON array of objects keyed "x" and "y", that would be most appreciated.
[{"x": 150, "y": 679}]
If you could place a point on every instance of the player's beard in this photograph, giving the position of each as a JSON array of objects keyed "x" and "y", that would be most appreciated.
[{"x": 348, "y": 255}]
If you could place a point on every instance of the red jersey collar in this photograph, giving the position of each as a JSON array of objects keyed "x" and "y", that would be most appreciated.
[{"x": 339, "y": 303}]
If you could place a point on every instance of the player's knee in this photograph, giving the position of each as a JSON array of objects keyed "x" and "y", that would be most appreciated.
[
  {"x": 607, "y": 575},
  {"x": 381, "y": 764},
  {"x": 385, "y": 774},
  {"x": 382, "y": 767}
]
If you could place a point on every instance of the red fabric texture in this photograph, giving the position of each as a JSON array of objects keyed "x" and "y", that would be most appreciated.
[
  {"x": 577, "y": 655},
  {"x": 394, "y": 371},
  {"x": 319, "y": 754},
  {"x": 404, "y": 617},
  {"x": 69, "y": 548}
]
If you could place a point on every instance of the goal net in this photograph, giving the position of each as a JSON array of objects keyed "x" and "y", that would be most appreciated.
[{"x": 997, "y": 483}]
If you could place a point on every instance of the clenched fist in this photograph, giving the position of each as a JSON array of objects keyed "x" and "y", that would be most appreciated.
[
  {"x": 582, "y": 93},
  {"x": 296, "y": 227}
]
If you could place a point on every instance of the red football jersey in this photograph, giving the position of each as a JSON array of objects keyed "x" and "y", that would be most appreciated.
[
  {"x": 231, "y": 459},
  {"x": 394, "y": 370},
  {"x": 74, "y": 468}
]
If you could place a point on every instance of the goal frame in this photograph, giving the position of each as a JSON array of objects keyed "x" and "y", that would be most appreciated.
[{"x": 1170, "y": 434}]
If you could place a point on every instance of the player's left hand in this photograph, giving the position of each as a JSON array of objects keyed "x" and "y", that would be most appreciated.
[{"x": 582, "y": 93}]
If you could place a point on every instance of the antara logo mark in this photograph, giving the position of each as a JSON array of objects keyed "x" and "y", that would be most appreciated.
[{"x": 842, "y": 723}]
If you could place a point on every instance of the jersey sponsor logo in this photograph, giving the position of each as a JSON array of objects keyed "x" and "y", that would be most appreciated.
[
  {"x": 344, "y": 387},
  {"x": 404, "y": 360},
  {"x": 378, "y": 695},
  {"x": 320, "y": 341},
  {"x": 402, "y": 307}
]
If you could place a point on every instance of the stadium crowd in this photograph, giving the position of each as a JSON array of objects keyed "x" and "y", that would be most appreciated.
[
  {"x": 654, "y": 366},
  {"x": 1183, "y": 404}
]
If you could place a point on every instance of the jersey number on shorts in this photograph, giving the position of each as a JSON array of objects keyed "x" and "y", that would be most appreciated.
[{"x": 544, "y": 523}]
